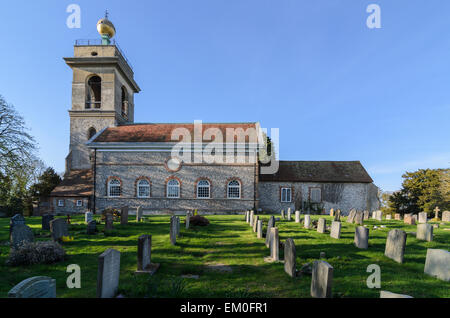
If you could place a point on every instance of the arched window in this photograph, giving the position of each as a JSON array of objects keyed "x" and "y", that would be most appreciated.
[
  {"x": 173, "y": 188},
  {"x": 143, "y": 189},
  {"x": 234, "y": 189},
  {"x": 124, "y": 102},
  {"x": 94, "y": 92},
  {"x": 91, "y": 132},
  {"x": 203, "y": 189},
  {"x": 114, "y": 188}
]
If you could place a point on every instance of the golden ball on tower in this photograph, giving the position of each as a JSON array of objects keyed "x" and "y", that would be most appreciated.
[{"x": 105, "y": 27}]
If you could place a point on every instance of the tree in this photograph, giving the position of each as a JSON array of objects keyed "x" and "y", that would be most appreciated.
[{"x": 47, "y": 181}]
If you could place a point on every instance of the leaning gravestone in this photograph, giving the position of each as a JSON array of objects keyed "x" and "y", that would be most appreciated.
[
  {"x": 335, "y": 230},
  {"x": 139, "y": 214},
  {"x": 91, "y": 228},
  {"x": 351, "y": 216},
  {"x": 108, "y": 273},
  {"x": 109, "y": 222},
  {"x": 259, "y": 229},
  {"x": 270, "y": 225},
  {"x": 359, "y": 218},
  {"x": 20, "y": 235},
  {"x": 173, "y": 230},
  {"x": 395, "y": 245},
  {"x": 437, "y": 264},
  {"x": 145, "y": 265},
  {"x": 289, "y": 214},
  {"x": 34, "y": 287},
  {"x": 322, "y": 226},
  {"x": 362, "y": 237},
  {"x": 290, "y": 257},
  {"x": 322, "y": 280},
  {"x": 88, "y": 217},
  {"x": 307, "y": 224},
  {"x": 59, "y": 228},
  {"x": 124, "y": 215},
  {"x": 446, "y": 216},
  {"x": 423, "y": 217},
  {"x": 424, "y": 232},
  {"x": 17, "y": 219},
  {"x": 46, "y": 218},
  {"x": 297, "y": 216}
]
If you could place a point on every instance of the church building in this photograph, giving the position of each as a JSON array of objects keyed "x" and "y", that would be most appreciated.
[{"x": 115, "y": 162}]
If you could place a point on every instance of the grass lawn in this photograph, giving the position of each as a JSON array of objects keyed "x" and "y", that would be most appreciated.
[{"x": 229, "y": 240}]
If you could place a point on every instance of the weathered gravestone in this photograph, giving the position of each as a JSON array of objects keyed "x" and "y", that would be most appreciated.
[
  {"x": 46, "y": 218},
  {"x": 91, "y": 228},
  {"x": 331, "y": 212},
  {"x": 335, "y": 230},
  {"x": 289, "y": 214},
  {"x": 282, "y": 214},
  {"x": 395, "y": 245},
  {"x": 59, "y": 228},
  {"x": 337, "y": 216},
  {"x": 374, "y": 215},
  {"x": 20, "y": 235},
  {"x": 351, "y": 216},
  {"x": 322, "y": 280},
  {"x": 322, "y": 225},
  {"x": 173, "y": 230},
  {"x": 379, "y": 215},
  {"x": 145, "y": 265},
  {"x": 255, "y": 223},
  {"x": 108, "y": 273},
  {"x": 124, "y": 215},
  {"x": 297, "y": 216},
  {"x": 109, "y": 222},
  {"x": 446, "y": 216},
  {"x": 252, "y": 217},
  {"x": 366, "y": 215},
  {"x": 424, "y": 232},
  {"x": 290, "y": 256},
  {"x": 178, "y": 226},
  {"x": 423, "y": 217},
  {"x": 307, "y": 224},
  {"x": 437, "y": 264},
  {"x": 275, "y": 245},
  {"x": 398, "y": 216},
  {"x": 88, "y": 217},
  {"x": 247, "y": 216},
  {"x": 359, "y": 218},
  {"x": 270, "y": 225},
  {"x": 362, "y": 237},
  {"x": 139, "y": 213},
  {"x": 388, "y": 217},
  {"x": 387, "y": 294},
  {"x": 17, "y": 219},
  {"x": 259, "y": 229},
  {"x": 408, "y": 219},
  {"x": 34, "y": 287}
]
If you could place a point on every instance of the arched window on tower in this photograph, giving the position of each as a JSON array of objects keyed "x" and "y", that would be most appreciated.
[
  {"x": 91, "y": 133},
  {"x": 124, "y": 102},
  {"x": 94, "y": 93}
]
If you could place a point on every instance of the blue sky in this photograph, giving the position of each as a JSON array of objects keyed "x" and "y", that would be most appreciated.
[{"x": 336, "y": 89}]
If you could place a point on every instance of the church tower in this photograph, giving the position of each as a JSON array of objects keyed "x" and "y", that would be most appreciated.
[{"x": 103, "y": 91}]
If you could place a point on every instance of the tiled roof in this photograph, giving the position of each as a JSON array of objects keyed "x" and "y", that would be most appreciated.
[
  {"x": 77, "y": 183},
  {"x": 319, "y": 171},
  {"x": 160, "y": 132}
]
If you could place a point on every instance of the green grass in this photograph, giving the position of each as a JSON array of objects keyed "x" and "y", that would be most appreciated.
[{"x": 229, "y": 240}]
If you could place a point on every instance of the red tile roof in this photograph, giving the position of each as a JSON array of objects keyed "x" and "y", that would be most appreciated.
[
  {"x": 160, "y": 132},
  {"x": 77, "y": 183}
]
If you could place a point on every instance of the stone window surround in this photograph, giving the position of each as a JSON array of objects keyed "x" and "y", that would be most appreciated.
[
  {"x": 321, "y": 194},
  {"x": 180, "y": 186},
  {"x": 61, "y": 203},
  {"x": 196, "y": 188},
  {"x": 240, "y": 192},
  {"x": 79, "y": 201},
  {"x": 292, "y": 193},
  {"x": 136, "y": 194},
  {"x": 107, "y": 186}
]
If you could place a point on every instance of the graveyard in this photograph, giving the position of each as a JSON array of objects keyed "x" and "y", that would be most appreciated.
[{"x": 228, "y": 258}]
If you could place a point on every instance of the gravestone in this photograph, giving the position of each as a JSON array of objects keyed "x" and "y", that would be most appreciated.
[
  {"x": 59, "y": 228},
  {"x": 188, "y": 220},
  {"x": 446, "y": 216},
  {"x": 388, "y": 217},
  {"x": 252, "y": 216},
  {"x": 255, "y": 223},
  {"x": 21, "y": 234},
  {"x": 359, "y": 218},
  {"x": 437, "y": 264},
  {"x": 366, "y": 215},
  {"x": 436, "y": 211},
  {"x": 109, "y": 221},
  {"x": 178, "y": 226},
  {"x": 395, "y": 245},
  {"x": 270, "y": 225},
  {"x": 423, "y": 217},
  {"x": 247, "y": 216},
  {"x": 88, "y": 216},
  {"x": 374, "y": 215},
  {"x": 379, "y": 215},
  {"x": 282, "y": 214},
  {"x": 297, "y": 216},
  {"x": 307, "y": 224},
  {"x": 398, "y": 216},
  {"x": 351, "y": 216},
  {"x": 322, "y": 280},
  {"x": 387, "y": 294},
  {"x": 139, "y": 213},
  {"x": 335, "y": 230},
  {"x": 46, "y": 218},
  {"x": 91, "y": 228},
  {"x": 124, "y": 215},
  {"x": 259, "y": 230},
  {"x": 424, "y": 232},
  {"x": 362, "y": 237},
  {"x": 275, "y": 244},
  {"x": 289, "y": 214},
  {"x": 34, "y": 287},
  {"x": 322, "y": 226},
  {"x": 108, "y": 273},
  {"x": 145, "y": 265},
  {"x": 337, "y": 216},
  {"x": 290, "y": 257},
  {"x": 17, "y": 219},
  {"x": 331, "y": 212},
  {"x": 408, "y": 219},
  {"x": 173, "y": 230}
]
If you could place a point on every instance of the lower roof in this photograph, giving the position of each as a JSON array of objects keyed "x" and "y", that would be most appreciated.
[{"x": 77, "y": 183}]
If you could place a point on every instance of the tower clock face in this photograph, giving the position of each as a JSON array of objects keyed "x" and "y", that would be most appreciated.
[{"x": 174, "y": 164}]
